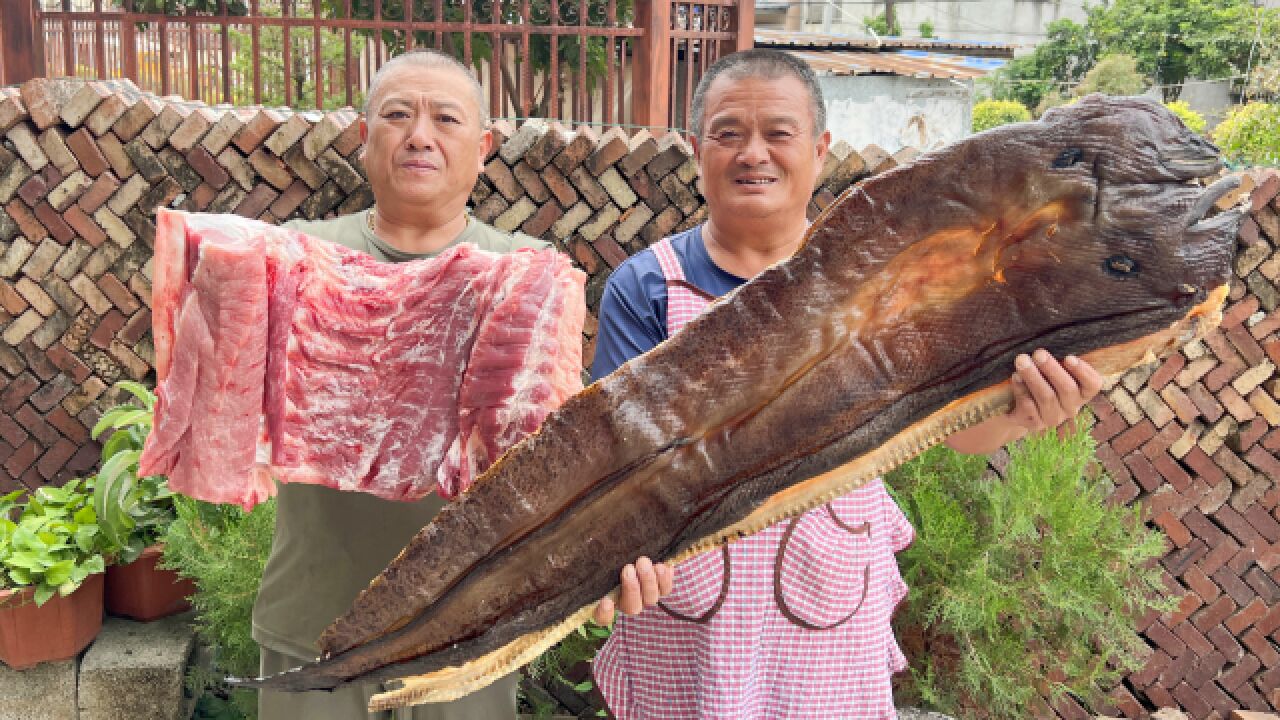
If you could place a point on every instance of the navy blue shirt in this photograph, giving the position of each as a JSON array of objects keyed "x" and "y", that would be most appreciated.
[{"x": 633, "y": 310}]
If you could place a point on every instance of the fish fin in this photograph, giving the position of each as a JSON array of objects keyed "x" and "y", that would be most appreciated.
[{"x": 455, "y": 682}]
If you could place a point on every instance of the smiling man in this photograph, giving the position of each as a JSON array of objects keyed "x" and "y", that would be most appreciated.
[
  {"x": 425, "y": 134},
  {"x": 792, "y": 622}
]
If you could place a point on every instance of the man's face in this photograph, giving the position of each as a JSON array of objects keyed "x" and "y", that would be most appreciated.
[
  {"x": 423, "y": 141},
  {"x": 758, "y": 155}
]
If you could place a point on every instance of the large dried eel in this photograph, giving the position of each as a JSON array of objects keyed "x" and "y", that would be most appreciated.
[{"x": 896, "y": 324}]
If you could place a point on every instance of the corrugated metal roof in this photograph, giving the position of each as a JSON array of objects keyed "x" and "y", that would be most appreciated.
[
  {"x": 765, "y": 37},
  {"x": 867, "y": 63}
]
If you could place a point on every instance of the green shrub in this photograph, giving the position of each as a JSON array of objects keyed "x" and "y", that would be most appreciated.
[
  {"x": 223, "y": 549},
  {"x": 994, "y": 113},
  {"x": 1024, "y": 585},
  {"x": 1113, "y": 75},
  {"x": 50, "y": 542},
  {"x": 1250, "y": 134},
  {"x": 926, "y": 29},
  {"x": 1192, "y": 119}
]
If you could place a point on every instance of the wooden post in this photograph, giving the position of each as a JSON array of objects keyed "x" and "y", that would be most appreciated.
[
  {"x": 22, "y": 42},
  {"x": 746, "y": 30},
  {"x": 651, "y": 70},
  {"x": 129, "y": 44}
]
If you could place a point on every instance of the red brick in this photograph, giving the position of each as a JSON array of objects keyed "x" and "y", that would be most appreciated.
[
  {"x": 11, "y": 432},
  {"x": 1171, "y": 471},
  {"x": 33, "y": 190},
  {"x": 55, "y": 457},
  {"x": 1174, "y": 528},
  {"x": 99, "y": 192},
  {"x": 1248, "y": 347},
  {"x": 1107, "y": 428},
  {"x": 1181, "y": 405},
  {"x": 1167, "y": 370},
  {"x": 19, "y": 389},
  {"x": 1124, "y": 702},
  {"x": 1156, "y": 662},
  {"x": 612, "y": 253},
  {"x": 1190, "y": 700},
  {"x": 1229, "y": 370},
  {"x": 1263, "y": 583},
  {"x": 1265, "y": 462},
  {"x": 1247, "y": 616},
  {"x": 1206, "y": 669},
  {"x": 1261, "y": 647},
  {"x": 84, "y": 225},
  {"x": 1248, "y": 434},
  {"x": 68, "y": 363},
  {"x": 85, "y": 459},
  {"x": 54, "y": 223},
  {"x": 1143, "y": 472},
  {"x": 1214, "y": 614},
  {"x": 1205, "y": 400},
  {"x": 137, "y": 326},
  {"x": 1166, "y": 640},
  {"x": 1269, "y": 324},
  {"x": 70, "y": 427},
  {"x": 10, "y": 300},
  {"x": 1218, "y": 556},
  {"x": 1131, "y": 439},
  {"x": 1167, "y": 436},
  {"x": 1239, "y": 312},
  {"x": 82, "y": 144},
  {"x": 1200, "y": 584},
  {"x": 1204, "y": 466},
  {"x": 118, "y": 294},
  {"x": 1240, "y": 673},
  {"x": 1269, "y": 622},
  {"x": 107, "y": 329},
  {"x": 258, "y": 199},
  {"x": 1189, "y": 603},
  {"x": 1157, "y": 695},
  {"x": 1262, "y": 521},
  {"x": 1225, "y": 642},
  {"x": 205, "y": 164},
  {"x": 1220, "y": 346},
  {"x": 22, "y": 458},
  {"x": 290, "y": 199},
  {"x": 1272, "y": 440}
]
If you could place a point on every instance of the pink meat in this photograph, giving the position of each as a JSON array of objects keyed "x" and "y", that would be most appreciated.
[{"x": 289, "y": 357}]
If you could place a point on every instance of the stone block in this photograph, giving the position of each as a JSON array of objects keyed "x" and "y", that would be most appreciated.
[
  {"x": 44, "y": 692},
  {"x": 135, "y": 670}
]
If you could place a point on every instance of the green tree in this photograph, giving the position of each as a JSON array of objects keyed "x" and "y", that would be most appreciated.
[
  {"x": 1250, "y": 134},
  {"x": 926, "y": 30},
  {"x": 1194, "y": 121},
  {"x": 1171, "y": 40}
]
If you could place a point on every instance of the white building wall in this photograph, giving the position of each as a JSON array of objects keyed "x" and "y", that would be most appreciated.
[{"x": 894, "y": 112}]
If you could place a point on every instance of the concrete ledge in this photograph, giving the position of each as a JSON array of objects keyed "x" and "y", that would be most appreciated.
[
  {"x": 44, "y": 692},
  {"x": 136, "y": 670}
]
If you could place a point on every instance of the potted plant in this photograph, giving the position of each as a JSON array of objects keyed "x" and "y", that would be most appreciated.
[
  {"x": 51, "y": 567},
  {"x": 134, "y": 512}
]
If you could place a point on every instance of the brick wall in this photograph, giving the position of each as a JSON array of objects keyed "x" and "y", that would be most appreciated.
[{"x": 84, "y": 165}]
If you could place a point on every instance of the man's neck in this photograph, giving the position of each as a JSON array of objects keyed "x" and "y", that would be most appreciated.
[
  {"x": 417, "y": 233},
  {"x": 745, "y": 249}
]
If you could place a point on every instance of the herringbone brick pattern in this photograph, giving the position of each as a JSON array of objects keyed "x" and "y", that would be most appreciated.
[{"x": 84, "y": 165}]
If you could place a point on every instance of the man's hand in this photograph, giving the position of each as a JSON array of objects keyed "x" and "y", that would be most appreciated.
[
  {"x": 1046, "y": 394},
  {"x": 643, "y": 585}
]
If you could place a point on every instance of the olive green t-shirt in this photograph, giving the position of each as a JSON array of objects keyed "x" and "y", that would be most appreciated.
[{"x": 329, "y": 544}]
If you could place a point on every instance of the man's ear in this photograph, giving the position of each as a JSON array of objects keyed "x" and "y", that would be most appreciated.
[
  {"x": 486, "y": 144},
  {"x": 824, "y": 144},
  {"x": 364, "y": 136},
  {"x": 697, "y": 159}
]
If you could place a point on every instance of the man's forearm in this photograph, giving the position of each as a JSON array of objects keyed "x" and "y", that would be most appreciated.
[{"x": 986, "y": 437}]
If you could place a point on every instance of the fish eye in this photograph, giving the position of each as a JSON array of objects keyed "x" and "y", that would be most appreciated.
[
  {"x": 1068, "y": 157},
  {"x": 1120, "y": 265}
]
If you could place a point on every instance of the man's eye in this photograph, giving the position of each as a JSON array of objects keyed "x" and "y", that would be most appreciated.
[
  {"x": 727, "y": 135},
  {"x": 396, "y": 115},
  {"x": 780, "y": 134},
  {"x": 450, "y": 119}
]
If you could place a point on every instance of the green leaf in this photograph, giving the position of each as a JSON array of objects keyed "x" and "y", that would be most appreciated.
[
  {"x": 20, "y": 576},
  {"x": 139, "y": 391},
  {"x": 59, "y": 573},
  {"x": 43, "y": 593},
  {"x": 120, "y": 440},
  {"x": 95, "y": 564},
  {"x": 121, "y": 416}
]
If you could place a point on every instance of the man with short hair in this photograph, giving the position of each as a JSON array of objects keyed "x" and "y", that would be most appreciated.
[
  {"x": 793, "y": 621},
  {"x": 425, "y": 134}
]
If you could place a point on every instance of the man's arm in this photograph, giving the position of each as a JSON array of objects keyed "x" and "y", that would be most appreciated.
[{"x": 1046, "y": 394}]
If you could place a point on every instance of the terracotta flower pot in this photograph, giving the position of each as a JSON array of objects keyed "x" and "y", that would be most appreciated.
[
  {"x": 144, "y": 592},
  {"x": 57, "y": 630}
]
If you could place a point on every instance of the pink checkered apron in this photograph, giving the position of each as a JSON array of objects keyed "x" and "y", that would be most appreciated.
[{"x": 792, "y": 622}]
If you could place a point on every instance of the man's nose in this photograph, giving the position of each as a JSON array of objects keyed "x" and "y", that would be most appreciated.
[
  {"x": 421, "y": 134},
  {"x": 754, "y": 151}
]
